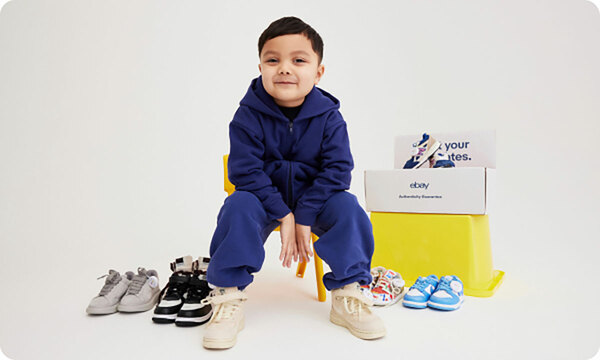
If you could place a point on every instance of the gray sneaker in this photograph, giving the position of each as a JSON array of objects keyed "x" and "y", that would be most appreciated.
[
  {"x": 113, "y": 290},
  {"x": 142, "y": 293}
]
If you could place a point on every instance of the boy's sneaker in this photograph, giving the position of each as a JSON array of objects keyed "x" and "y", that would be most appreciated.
[
  {"x": 350, "y": 309},
  {"x": 227, "y": 319},
  {"x": 448, "y": 295},
  {"x": 442, "y": 160},
  {"x": 193, "y": 312},
  {"x": 172, "y": 296},
  {"x": 111, "y": 293},
  {"x": 422, "y": 151},
  {"x": 388, "y": 289},
  {"x": 142, "y": 293},
  {"x": 418, "y": 294}
]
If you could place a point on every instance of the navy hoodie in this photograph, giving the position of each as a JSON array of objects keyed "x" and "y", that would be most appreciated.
[{"x": 289, "y": 165}]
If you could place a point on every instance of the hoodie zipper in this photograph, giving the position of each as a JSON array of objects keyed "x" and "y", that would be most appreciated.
[
  {"x": 291, "y": 124},
  {"x": 289, "y": 194}
]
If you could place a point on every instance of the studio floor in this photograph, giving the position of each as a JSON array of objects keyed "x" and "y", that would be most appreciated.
[{"x": 284, "y": 320}]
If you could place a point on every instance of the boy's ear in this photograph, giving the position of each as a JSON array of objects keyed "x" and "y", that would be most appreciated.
[
  {"x": 259, "y": 69},
  {"x": 320, "y": 71}
]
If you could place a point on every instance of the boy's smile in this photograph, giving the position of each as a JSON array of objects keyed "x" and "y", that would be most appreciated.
[{"x": 290, "y": 68}]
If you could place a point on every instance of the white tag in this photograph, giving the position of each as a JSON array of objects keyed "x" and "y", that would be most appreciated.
[
  {"x": 456, "y": 286},
  {"x": 153, "y": 281}
]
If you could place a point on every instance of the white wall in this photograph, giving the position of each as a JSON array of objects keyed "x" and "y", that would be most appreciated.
[{"x": 113, "y": 119}]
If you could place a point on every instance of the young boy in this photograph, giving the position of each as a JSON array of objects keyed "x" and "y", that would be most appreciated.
[{"x": 290, "y": 162}]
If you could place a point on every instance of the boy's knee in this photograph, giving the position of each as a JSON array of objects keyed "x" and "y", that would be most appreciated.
[
  {"x": 344, "y": 200},
  {"x": 242, "y": 201}
]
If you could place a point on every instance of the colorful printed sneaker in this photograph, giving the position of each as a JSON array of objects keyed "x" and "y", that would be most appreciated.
[
  {"x": 142, "y": 293},
  {"x": 418, "y": 294},
  {"x": 376, "y": 273},
  {"x": 194, "y": 312},
  {"x": 442, "y": 160},
  {"x": 113, "y": 290},
  {"x": 422, "y": 151},
  {"x": 448, "y": 295},
  {"x": 388, "y": 289},
  {"x": 172, "y": 296}
]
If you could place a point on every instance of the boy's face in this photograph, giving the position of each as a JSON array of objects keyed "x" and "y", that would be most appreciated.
[{"x": 289, "y": 67}]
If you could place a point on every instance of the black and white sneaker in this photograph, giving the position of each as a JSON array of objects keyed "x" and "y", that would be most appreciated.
[
  {"x": 193, "y": 312},
  {"x": 173, "y": 295}
]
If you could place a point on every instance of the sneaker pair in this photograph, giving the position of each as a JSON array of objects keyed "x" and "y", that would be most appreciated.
[
  {"x": 181, "y": 299},
  {"x": 429, "y": 150},
  {"x": 126, "y": 293},
  {"x": 386, "y": 287},
  {"x": 350, "y": 308},
  {"x": 443, "y": 294}
]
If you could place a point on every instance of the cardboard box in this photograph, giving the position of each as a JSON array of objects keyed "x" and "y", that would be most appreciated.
[{"x": 466, "y": 190}]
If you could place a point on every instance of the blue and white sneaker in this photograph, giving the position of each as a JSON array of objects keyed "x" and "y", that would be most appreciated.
[
  {"x": 418, "y": 295},
  {"x": 422, "y": 151},
  {"x": 442, "y": 160},
  {"x": 448, "y": 295}
]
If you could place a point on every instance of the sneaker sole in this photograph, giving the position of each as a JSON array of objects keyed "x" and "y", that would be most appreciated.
[
  {"x": 101, "y": 311},
  {"x": 164, "y": 318},
  {"x": 188, "y": 322},
  {"x": 429, "y": 153},
  {"x": 439, "y": 306},
  {"x": 414, "y": 304},
  {"x": 340, "y": 321},
  {"x": 222, "y": 343},
  {"x": 139, "y": 307}
]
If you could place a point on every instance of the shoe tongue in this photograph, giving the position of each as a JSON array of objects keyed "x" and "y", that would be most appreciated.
[
  {"x": 141, "y": 271},
  {"x": 182, "y": 264},
  {"x": 202, "y": 263},
  {"x": 113, "y": 276},
  {"x": 448, "y": 278}
]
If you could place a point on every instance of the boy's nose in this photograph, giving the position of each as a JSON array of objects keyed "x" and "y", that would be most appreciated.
[{"x": 283, "y": 71}]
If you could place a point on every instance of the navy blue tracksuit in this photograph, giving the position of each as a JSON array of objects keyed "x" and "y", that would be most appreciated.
[{"x": 277, "y": 166}]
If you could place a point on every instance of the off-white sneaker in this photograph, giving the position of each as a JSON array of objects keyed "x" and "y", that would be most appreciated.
[
  {"x": 113, "y": 290},
  {"x": 350, "y": 309},
  {"x": 227, "y": 318}
]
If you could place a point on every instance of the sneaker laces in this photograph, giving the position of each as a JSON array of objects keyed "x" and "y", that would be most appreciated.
[
  {"x": 444, "y": 284},
  {"x": 112, "y": 279},
  {"x": 354, "y": 306},
  {"x": 420, "y": 284},
  {"x": 175, "y": 287},
  {"x": 137, "y": 282},
  {"x": 226, "y": 304}
]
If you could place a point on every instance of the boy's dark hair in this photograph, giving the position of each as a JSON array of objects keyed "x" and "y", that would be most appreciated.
[{"x": 291, "y": 25}]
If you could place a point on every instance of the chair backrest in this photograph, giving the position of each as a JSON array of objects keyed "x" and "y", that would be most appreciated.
[{"x": 229, "y": 187}]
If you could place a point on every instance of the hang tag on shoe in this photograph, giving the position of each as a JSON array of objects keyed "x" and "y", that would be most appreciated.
[{"x": 153, "y": 281}]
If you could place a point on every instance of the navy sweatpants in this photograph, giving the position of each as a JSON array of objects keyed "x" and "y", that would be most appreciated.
[{"x": 345, "y": 241}]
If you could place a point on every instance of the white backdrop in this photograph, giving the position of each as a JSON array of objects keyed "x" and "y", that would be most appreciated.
[{"x": 114, "y": 115}]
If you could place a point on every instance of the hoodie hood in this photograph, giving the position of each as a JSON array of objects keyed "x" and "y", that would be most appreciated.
[{"x": 317, "y": 102}]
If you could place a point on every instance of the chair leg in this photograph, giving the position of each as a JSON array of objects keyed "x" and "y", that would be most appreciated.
[
  {"x": 321, "y": 291},
  {"x": 301, "y": 269}
]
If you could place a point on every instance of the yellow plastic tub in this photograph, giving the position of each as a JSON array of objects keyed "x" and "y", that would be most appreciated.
[{"x": 422, "y": 244}]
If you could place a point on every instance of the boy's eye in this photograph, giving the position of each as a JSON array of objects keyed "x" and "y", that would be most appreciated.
[
  {"x": 299, "y": 60},
  {"x": 271, "y": 60}
]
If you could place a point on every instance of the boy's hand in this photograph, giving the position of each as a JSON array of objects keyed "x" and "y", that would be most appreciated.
[
  {"x": 289, "y": 250},
  {"x": 303, "y": 241}
]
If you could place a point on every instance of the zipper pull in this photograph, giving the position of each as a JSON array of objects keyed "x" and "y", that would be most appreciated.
[{"x": 290, "y": 125}]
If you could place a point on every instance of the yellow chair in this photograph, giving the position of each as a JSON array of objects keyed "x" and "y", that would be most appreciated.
[{"x": 321, "y": 291}]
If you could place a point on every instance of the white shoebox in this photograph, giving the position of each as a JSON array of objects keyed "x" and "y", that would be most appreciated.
[
  {"x": 466, "y": 189},
  {"x": 430, "y": 191}
]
